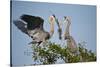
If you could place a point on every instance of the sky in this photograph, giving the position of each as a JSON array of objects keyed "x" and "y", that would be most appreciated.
[{"x": 83, "y": 26}]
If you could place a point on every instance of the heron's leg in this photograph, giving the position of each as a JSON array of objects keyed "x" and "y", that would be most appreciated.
[{"x": 33, "y": 42}]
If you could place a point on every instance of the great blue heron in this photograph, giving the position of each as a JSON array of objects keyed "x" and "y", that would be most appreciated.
[
  {"x": 71, "y": 43},
  {"x": 33, "y": 27},
  {"x": 66, "y": 36}
]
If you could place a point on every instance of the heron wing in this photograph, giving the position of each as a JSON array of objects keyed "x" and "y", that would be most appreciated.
[
  {"x": 33, "y": 22},
  {"x": 21, "y": 26}
]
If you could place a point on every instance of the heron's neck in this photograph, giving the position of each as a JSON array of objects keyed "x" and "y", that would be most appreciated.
[
  {"x": 67, "y": 29},
  {"x": 51, "y": 28},
  {"x": 68, "y": 26}
]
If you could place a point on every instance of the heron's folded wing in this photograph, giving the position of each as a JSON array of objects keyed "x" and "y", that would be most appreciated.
[
  {"x": 33, "y": 22},
  {"x": 20, "y": 25}
]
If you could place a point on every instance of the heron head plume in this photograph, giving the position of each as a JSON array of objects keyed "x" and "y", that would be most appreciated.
[{"x": 67, "y": 17}]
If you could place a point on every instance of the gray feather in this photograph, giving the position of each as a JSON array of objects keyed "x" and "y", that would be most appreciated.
[{"x": 21, "y": 26}]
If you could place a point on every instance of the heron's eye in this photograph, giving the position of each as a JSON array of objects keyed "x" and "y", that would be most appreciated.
[{"x": 31, "y": 36}]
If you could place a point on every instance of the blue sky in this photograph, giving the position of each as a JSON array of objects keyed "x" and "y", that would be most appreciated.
[{"x": 83, "y": 25}]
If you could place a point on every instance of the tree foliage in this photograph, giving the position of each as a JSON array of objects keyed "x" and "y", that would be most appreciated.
[{"x": 49, "y": 53}]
